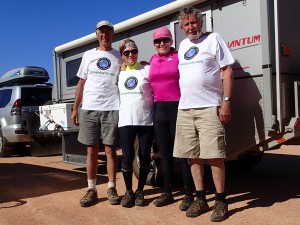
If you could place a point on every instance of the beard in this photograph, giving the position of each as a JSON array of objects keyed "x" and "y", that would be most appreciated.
[{"x": 194, "y": 37}]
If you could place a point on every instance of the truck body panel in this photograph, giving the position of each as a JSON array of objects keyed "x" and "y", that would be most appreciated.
[{"x": 262, "y": 38}]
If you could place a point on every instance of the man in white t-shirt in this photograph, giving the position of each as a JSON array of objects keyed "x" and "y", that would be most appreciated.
[
  {"x": 97, "y": 90},
  {"x": 206, "y": 83}
]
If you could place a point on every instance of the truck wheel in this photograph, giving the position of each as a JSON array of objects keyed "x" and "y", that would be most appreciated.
[
  {"x": 246, "y": 162},
  {"x": 155, "y": 174},
  {"x": 4, "y": 150}
]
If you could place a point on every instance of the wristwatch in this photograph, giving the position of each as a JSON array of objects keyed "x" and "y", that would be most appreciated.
[{"x": 226, "y": 99}]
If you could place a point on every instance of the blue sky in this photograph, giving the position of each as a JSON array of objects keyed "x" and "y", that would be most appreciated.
[{"x": 30, "y": 30}]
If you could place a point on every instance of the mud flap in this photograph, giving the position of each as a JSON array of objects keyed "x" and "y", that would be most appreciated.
[
  {"x": 45, "y": 146},
  {"x": 42, "y": 143}
]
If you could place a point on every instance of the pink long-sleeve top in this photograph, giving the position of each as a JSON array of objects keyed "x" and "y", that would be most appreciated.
[{"x": 164, "y": 77}]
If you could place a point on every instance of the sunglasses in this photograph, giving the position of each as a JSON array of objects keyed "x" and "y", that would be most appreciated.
[
  {"x": 164, "y": 40},
  {"x": 133, "y": 52}
]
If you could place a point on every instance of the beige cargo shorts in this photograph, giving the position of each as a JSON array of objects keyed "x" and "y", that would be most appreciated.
[{"x": 199, "y": 134}]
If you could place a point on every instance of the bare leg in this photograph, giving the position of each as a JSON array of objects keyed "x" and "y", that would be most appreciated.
[
  {"x": 111, "y": 156},
  {"x": 91, "y": 169},
  {"x": 218, "y": 173},
  {"x": 92, "y": 161},
  {"x": 197, "y": 173},
  {"x": 221, "y": 207},
  {"x": 200, "y": 205}
]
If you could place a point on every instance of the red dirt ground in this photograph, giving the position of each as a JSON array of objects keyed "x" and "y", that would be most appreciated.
[{"x": 46, "y": 191}]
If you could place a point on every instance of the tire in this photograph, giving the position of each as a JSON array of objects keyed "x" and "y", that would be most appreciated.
[
  {"x": 155, "y": 175},
  {"x": 246, "y": 162},
  {"x": 4, "y": 149},
  {"x": 21, "y": 149}
]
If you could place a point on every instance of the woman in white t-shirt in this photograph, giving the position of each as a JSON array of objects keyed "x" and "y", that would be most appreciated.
[{"x": 135, "y": 119}]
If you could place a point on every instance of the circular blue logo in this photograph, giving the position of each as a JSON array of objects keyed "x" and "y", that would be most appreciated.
[
  {"x": 191, "y": 53},
  {"x": 103, "y": 63},
  {"x": 131, "y": 83}
]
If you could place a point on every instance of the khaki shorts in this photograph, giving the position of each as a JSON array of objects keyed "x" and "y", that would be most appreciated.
[
  {"x": 95, "y": 126},
  {"x": 199, "y": 134}
]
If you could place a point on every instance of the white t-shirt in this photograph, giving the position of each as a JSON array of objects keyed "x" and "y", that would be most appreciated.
[
  {"x": 200, "y": 75},
  {"x": 136, "y": 100},
  {"x": 100, "y": 69}
]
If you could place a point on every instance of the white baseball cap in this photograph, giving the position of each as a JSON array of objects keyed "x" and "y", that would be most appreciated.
[{"x": 104, "y": 23}]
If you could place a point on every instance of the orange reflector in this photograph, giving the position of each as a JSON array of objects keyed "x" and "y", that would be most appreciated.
[
  {"x": 285, "y": 50},
  {"x": 279, "y": 140}
]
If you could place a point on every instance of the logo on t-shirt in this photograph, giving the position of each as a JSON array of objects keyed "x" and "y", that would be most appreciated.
[
  {"x": 131, "y": 83},
  {"x": 103, "y": 63},
  {"x": 191, "y": 53}
]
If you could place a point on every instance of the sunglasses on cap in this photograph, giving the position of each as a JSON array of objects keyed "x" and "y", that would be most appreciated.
[
  {"x": 133, "y": 52},
  {"x": 164, "y": 40}
]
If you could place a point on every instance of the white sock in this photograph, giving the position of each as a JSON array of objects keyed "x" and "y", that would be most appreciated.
[
  {"x": 92, "y": 183},
  {"x": 111, "y": 184}
]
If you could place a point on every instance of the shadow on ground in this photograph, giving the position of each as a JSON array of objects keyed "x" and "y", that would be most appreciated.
[
  {"x": 276, "y": 179},
  {"x": 20, "y": 181}
]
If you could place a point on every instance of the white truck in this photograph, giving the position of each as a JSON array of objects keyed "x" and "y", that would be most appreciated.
[{"x": 262, "y": 36}]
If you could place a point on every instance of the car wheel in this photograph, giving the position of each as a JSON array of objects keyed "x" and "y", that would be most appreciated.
[
  {"x": 4, "y": 149},
  {"x": 155, "y": 175}
]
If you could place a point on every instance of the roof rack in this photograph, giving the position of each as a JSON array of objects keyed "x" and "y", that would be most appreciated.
[
  {"x": 22, "y": 83},
  {"x": 24, "y": 75}
]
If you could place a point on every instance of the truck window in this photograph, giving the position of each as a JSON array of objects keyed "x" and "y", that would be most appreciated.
[
  {"x": 71, "y": 70},
  {"x": 5, "y": 96},
  {"x": 35, "y": 96}
]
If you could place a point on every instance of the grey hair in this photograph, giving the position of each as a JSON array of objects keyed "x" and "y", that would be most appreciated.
[
  {"x": 185, "y": 12},
  {"x": 127, "y": 43}
]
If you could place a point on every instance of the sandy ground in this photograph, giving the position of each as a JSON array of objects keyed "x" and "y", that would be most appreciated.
[{"x": 44, "y": 190}]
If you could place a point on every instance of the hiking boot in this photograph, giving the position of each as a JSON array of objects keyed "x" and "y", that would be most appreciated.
[
  {"x": 197, "y": 208},
  {"x": 128, "y": 199},
  {"x": 220, "y": 211},
  {"x": 164, "y": 199},
  {"x": 112, "y": 196},
  {"x": 90, "y": 198},
  {"x": 186, "y": 202},
  {"x": 139, "y": 198}
]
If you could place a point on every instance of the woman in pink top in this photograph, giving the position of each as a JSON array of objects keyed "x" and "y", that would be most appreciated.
[{"x": 164, "y": 78}]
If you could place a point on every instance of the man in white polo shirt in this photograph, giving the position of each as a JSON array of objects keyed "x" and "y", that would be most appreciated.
[
  {"x": 204, "y": 108},
  {"x": 98, "y": 118}
]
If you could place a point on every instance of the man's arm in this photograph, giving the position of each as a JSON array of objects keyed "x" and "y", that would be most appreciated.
[
  {"x": 225, "y": 111},
  {"x": 78, "y": 99}
]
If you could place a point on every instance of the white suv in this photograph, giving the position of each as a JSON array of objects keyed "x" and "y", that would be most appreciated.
[{"x": 17, "y": 98}]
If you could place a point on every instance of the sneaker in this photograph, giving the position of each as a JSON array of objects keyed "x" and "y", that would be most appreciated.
[
  {"x": 112, "y": 196},
  {"x": 197, "y": 208},
  {"x": 90, "y": 198},
  {"x": 164, "y": 199},
  {"x": 220, "y": 211},
  {"x": 128, "y": 199},
  {"x": 186, "y": 202},
  {"x": 139, "y": 198}
]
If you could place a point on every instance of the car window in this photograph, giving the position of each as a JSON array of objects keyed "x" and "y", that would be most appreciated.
[
  {"x": 35, "y": 96},
  {"x": 5, "y": 96},
  {"x": 72, "y": 68}
]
